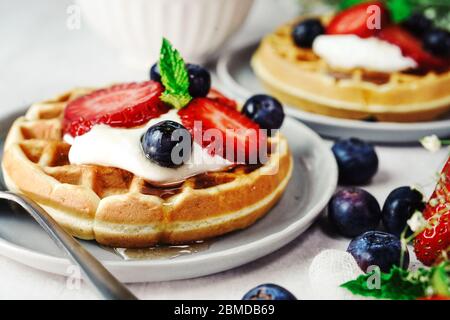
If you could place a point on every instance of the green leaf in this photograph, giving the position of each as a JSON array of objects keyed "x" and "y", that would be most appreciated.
[
  {"x": 174, "y": 76},
  {"x": 400, "y": 9},
  {"x": 178, "y": 101},
  {"x": 345, "y": 4},
  {"x": 398, "y": 284},
  {"x": 440, "y": 280}
]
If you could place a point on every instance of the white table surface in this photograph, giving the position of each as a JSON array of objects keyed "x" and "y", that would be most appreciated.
[{"x": 40, "y": 57}]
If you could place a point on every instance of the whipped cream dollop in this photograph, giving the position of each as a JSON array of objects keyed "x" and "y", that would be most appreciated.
[
  {"x": 351, "y": 51},
  {"x": 121, "y": 148}
]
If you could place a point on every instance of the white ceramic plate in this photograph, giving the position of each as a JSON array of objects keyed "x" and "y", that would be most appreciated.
[
  {"x": 237, "y": 77},
  {"x": 313, "y": 182}
]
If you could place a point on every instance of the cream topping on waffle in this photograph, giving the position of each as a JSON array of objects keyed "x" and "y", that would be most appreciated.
[
  {"x": 351, "y": 51},
  {"x": 121, "y": 148}
]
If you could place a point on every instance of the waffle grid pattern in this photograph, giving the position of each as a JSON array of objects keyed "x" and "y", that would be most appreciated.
[{"x": 112, "y": 205}]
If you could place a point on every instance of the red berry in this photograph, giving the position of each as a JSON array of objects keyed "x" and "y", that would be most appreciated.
[
  {"x": 216, "y": 95},
  {"x": 411, "y": 47},
  {"x": 122, "y": 105},
  {"x": 357, "y": 20},
  {"x": 214, "y": 115},
  {"x": 435, "y": 297},
  {"x": 431, "y": 244}
]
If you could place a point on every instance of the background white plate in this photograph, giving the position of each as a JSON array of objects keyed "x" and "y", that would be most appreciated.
[
  {"x": 313, "y": 182},
  {"x": 235, "y": 73}
]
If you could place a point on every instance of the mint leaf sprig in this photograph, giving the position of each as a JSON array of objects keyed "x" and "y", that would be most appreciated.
[
  {"x": 399, "y": 9},
  {"x": 400, "y": 284},
  {"x": 174, "y": 76}
]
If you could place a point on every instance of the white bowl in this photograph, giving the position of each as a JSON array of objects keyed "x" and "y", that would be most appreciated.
[{"x": 197, "y": 28}]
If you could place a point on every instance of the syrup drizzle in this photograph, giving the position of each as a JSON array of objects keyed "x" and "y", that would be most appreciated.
[{"x": 159, "y": 252}]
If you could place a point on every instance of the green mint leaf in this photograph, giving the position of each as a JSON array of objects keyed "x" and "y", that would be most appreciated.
[
  {"x": 345, "y": 4},
  {"x": 176, "y": 100},
  {"x": 440, "y": 281},
  {"x": 398, "y": 284},
  {"x": 400, "y": 9},
  {"x": 174, "y": 76}
]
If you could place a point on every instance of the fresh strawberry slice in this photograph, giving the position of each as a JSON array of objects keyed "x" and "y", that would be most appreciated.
[
  {"x": 233, "y": 128},
  {"x": 435, "y": 240},
  {"x": 216, "y": 95},
  {"x": 358, "y": 20},
  {"x": 411, "y": 47},
  {"x": 122, "y": 105}
]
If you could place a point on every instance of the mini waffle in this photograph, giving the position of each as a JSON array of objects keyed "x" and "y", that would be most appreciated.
[
  {"x": 300, "y": 78},
  {"x": 116, "y": 208}
]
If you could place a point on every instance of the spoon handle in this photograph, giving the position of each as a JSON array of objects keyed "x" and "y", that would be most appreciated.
[{"x": 107, "y": 285}]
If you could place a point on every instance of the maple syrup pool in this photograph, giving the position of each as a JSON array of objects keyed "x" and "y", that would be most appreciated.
[{"x": 159, "y": 252}]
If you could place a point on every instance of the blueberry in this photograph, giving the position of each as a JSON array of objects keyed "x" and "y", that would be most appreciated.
[
  {"x": 160, "y": 141},
  {"x": 376, "y": 248},
  {"x": 399, "y": 207},
  {"x": 264, "y": 110},
  {"x": 269, "y": 291},
  {"x": 354, "y": 211},
  {"x": 199, "y": 80},
  {"x": 437, "y": 42},
  {"x": 306, "y": 31},
  {"x": 418, "y": 24},
  {"x": 155, "y": 75},
  {"x": 357, "y": 161}
]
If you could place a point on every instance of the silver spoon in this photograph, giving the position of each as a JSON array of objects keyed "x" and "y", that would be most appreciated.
[
  {"x": 106, "y": 284},
  {"x": 100, "y": 278}
]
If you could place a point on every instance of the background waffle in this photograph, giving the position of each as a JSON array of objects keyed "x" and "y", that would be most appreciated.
[
  {"x": 116, "y": 208},
  {"x": 300, "y": 78}
]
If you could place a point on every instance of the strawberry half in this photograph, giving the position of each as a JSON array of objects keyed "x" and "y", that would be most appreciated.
[
  {"x": 358, "y": 19},
  {"x": 435, "y": 240},
  {"x": 122, "y": 105},
  {"x": 411, "y": 47},
  {"x": 242, "y": 135},
  {"x": 216, "y": 95}
]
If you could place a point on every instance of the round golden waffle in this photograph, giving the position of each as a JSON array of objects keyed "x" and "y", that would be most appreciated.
[
  {"x": 116, "y": 208},
  {"x": 300, "y": 78}
]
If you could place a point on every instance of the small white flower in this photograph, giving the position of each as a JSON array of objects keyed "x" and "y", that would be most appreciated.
[
  {"x": 431, "y": 143},
  {"x": 417, "y": 222}
]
